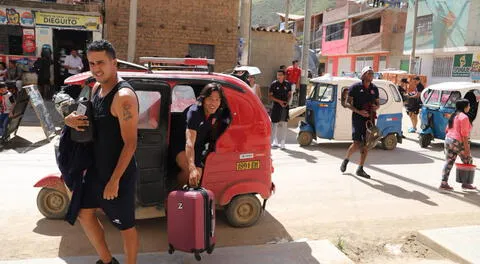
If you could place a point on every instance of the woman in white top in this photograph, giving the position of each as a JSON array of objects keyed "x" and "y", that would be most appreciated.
[{"x": 255, "y": 87}]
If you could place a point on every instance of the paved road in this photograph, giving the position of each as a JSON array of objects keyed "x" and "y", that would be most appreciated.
[{"x": 313, "y": 200}]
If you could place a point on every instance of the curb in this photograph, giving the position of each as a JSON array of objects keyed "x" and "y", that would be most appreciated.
[
  {"x": 308, "y": 252},
  {"x": 441, "y": 242}
]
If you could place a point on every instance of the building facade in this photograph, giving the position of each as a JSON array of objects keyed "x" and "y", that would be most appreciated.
[
  {"x": 270, "y": 49},
  {"x": 448, "y": 39},
  {"x": 356, "y": 35},
  {"x": 28, "y": 27},
  {"x": 168, "y": 28}
]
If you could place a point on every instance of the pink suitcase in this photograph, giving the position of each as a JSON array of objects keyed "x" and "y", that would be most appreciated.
[{"x": 191, "y": 221}]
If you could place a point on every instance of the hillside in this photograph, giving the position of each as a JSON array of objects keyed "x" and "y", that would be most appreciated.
[{"x": 264, "y": 11}]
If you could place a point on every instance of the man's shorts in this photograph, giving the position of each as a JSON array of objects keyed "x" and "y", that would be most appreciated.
[
  {"x": 413, "y": 111},
  {"x": 121, "y": 210},
  {"x": 359, "y": 130}
]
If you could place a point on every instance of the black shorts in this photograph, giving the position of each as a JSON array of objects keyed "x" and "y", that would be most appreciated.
[
  {"x": 413, "y": 111},
  {"x": 279, "y": 113},
  {"x": 121, "y": 210},
  {"x": 359, "y": 129},
  {"x": 200, "y": 157}
]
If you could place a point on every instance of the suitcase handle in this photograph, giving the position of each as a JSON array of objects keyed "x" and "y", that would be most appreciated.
[{"x": 186, "y": 187}]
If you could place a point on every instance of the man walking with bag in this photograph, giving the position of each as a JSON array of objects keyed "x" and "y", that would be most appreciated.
[
  {"x": 363, "y": 101},
  {"x": 110, "y": 183}
]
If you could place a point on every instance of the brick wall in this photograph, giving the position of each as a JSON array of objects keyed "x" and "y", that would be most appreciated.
[{"x": 166, "y": 28}]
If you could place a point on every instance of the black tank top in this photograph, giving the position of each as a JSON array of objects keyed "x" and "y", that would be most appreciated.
[{"x": 108, "y": 139}]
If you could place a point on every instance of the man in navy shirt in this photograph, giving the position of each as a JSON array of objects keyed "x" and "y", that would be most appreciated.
[
  {"x": 280, "y": 93},
  {"x": 363, "y": 101}
]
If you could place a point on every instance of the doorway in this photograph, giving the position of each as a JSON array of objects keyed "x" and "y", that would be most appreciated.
[{"x": 65, "y": 40}]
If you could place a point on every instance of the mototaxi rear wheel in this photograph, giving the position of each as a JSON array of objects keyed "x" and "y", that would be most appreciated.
[
  {"x": 244, "y": 210},
  {"x": 52, "y": 203},
  {"x": 424, "y": 140},
  {"x": 304, "y": 138}
]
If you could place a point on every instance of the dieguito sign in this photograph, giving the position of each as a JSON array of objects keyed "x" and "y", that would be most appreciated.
[{"x": 67, "y": 20}]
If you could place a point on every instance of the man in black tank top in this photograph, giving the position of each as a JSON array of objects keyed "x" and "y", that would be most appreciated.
[{"x": 110, "y": 183}]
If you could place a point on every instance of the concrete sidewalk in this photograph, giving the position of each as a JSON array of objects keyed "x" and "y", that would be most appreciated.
[
  {"x": 460, "y": 244},
  {"x": 310, "y": 252}
]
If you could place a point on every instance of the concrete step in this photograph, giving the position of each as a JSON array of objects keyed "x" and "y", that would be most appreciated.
[{"x": 460, "y": 244}]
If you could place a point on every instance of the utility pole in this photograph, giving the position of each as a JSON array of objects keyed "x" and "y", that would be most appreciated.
[
  {"x": 413, "y": 60},
  {"x": 132, "y": 31},
  {"x": 245, "y": 29},
  {"x": 305, "y": 52},
  {"x": 287, "y": 13}
]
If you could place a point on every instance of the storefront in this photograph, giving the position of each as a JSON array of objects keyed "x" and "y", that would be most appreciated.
[
  {"x": 63, "y": 33},
  {"x": 17, "y": 37},
  {"x": 24, "y": 33}
]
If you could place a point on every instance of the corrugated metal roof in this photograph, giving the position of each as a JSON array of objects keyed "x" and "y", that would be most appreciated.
[{"x": 260, "y": 28}]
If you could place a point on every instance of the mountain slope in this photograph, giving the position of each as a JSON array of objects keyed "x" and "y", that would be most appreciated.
[{"x": 264, "y": 11}]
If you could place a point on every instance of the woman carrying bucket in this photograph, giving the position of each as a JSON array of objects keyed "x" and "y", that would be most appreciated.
[{"x": 456, "y": 143}]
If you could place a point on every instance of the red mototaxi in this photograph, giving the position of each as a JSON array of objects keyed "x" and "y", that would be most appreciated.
[{"x": 238, "y": 172}]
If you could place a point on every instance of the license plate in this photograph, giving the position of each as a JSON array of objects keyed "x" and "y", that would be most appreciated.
[{"x": 248, "y": 165}]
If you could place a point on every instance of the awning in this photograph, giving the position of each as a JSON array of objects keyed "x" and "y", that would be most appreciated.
[{"x": 358, "y": 54}]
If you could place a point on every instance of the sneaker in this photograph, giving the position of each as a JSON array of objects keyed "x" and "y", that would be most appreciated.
[
  {"x": 445, "y": 187},
  {"x": 343, "y": 167},
  {"x": 282, "y": 144},
  {"x": 469, "y": 187},
  {"x": 113, "y": 261},
  {"x": 412, "y": 130},
  {"x": 275, "y": 145},
  {"x": 362, "y": 173}
]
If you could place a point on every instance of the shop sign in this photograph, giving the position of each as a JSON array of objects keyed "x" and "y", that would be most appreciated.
[
  {"x": 15, "y": 16},
  {"x": 26, "y": 18},
  {"x": 67, "y": 20},
  {"x": 28, "y": 40},
  {"x": 475, "y": 71},
  {"x": 462, "y": 64}
]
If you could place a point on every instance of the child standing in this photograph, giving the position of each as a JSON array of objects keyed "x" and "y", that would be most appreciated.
[{"x": 7, "y": 103}]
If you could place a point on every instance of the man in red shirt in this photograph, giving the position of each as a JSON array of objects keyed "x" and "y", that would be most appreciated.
[{"x": 293, "y": 74}]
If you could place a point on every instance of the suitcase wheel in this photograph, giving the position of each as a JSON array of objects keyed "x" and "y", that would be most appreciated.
[
  {"x": 197, "y": 256},
  {"x": 210, "y": 249},
  {"x": 170, "y": 249}
]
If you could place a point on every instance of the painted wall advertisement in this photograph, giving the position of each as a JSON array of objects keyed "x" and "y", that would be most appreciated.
[
  {"x": 462, "y": 65},
  {"x": 16, "y": 16},
  {"x": 475, "y": 71},
  {"x": 68, "y": 20},
  {"x": 442, "y": 24}
]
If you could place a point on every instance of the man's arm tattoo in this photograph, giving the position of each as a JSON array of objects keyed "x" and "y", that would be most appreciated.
[{"x": 127, "y": 114}]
